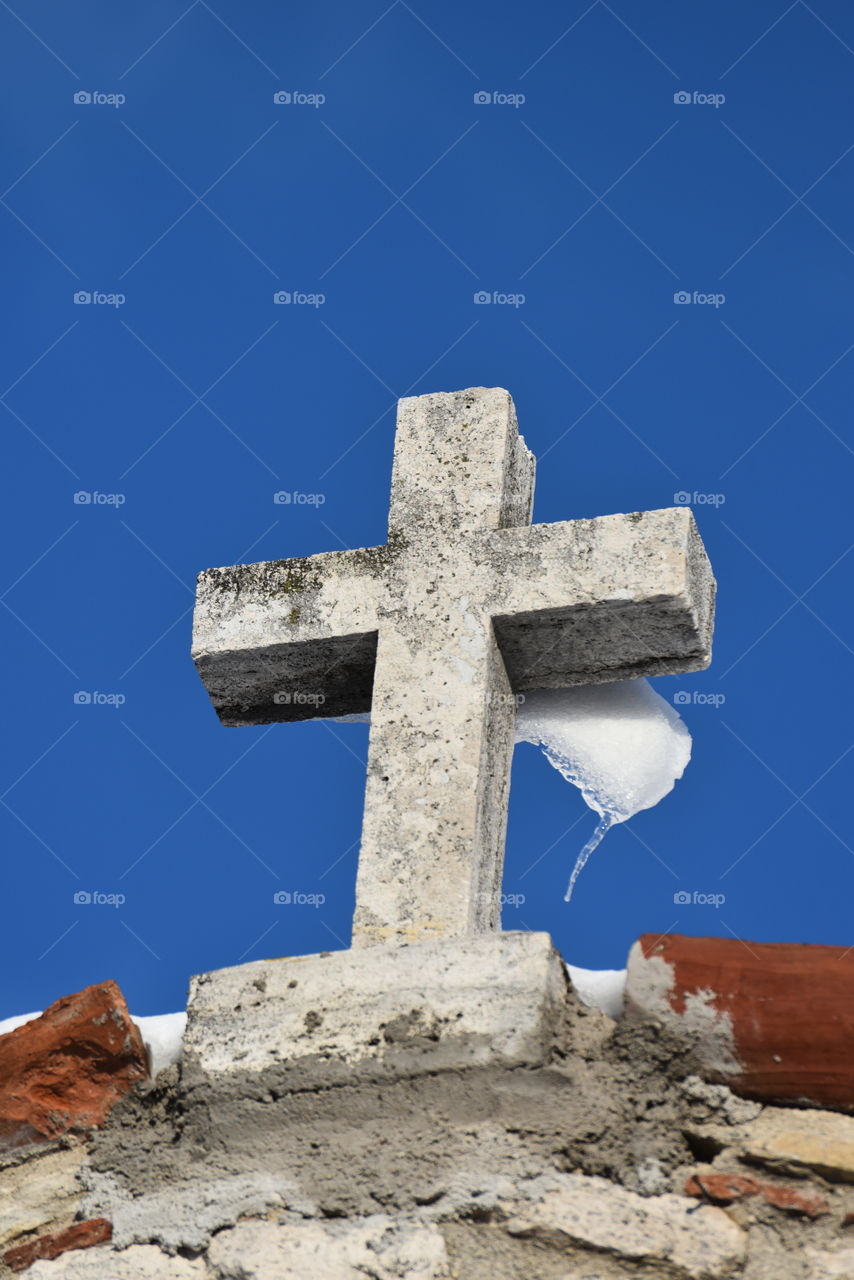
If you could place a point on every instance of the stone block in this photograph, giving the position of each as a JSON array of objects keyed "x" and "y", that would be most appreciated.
[
  {"x": 378, "y": 1246},
  {"x": 816, "y": 1140},
  {"x": 701, "y": 1243},
  {"x": 769, "y": 1257},
  {"x": 39, "y": 1191},
  {"x": 827, "y": 1264},
  {"x": 493, "y": 999},
  {"x": 141, "y": 1262}
]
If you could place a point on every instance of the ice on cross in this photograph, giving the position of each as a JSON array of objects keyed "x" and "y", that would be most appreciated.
[{"x": 465, "y": 606}]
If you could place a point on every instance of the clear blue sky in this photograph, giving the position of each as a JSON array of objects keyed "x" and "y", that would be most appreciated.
[{"x": 195, "y": 399}]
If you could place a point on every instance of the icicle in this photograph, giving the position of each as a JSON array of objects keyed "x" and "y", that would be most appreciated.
[{"x": 598, "y": 836}]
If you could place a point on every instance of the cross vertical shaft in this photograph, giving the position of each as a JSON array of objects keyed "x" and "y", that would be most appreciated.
[{"x": 442, "y": 713}]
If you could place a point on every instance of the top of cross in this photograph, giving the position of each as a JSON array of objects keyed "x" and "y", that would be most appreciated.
[{"x": 459, "y": 471}]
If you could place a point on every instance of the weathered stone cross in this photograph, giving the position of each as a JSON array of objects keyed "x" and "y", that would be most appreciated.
[{"x": 435, "y": 632}]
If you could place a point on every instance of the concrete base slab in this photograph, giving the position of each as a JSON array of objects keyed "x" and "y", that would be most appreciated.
[{"x": 385, "y": 1011}]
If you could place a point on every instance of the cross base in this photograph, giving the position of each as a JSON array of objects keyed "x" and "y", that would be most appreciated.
[{"x": 337, "y": 1017}]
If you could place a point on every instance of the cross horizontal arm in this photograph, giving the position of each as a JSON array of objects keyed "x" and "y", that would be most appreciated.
[
  {"x": 588, "y": 601},
  {"x": 290, "y": 639}
]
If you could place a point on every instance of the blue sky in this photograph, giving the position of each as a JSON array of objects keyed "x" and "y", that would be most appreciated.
[{"x": 382, "y": 197}]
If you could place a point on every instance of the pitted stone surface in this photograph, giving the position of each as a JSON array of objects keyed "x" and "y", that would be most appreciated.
[
  {"x": 770, "y": 1258},
  {"x": 435, "y": 632},
  {"x": 379, "y": 1247},
  {"x": 38, "y": 1191},
  {"x": 142, "y": 1262},
  {"x": 701, "y": 1243},
  {"x": 826, "y": 1264},
  {"x": 495, "y": 999},
  {"x": 820, "y": 1141}
]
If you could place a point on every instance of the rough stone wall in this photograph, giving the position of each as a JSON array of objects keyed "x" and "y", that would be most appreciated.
[{"x": 612, "y": 1159}]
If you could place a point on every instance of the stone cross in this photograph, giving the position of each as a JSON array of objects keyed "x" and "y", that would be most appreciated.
[{"x": 466, "y": 606}]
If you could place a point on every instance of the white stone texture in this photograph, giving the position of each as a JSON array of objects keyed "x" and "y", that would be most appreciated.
[
  {"x": 497, "y": 998},
  {"x": 142, "y": 1262},
  {"x": 701, "y": 1243},
  {"x": 820, "y": 1141},
  {"x": 826, "y": 1264},
  {"x": 771, "y": 1257},
  {"x": 377, "y": 1247},
  {"x": 39, "y": 1191}
]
